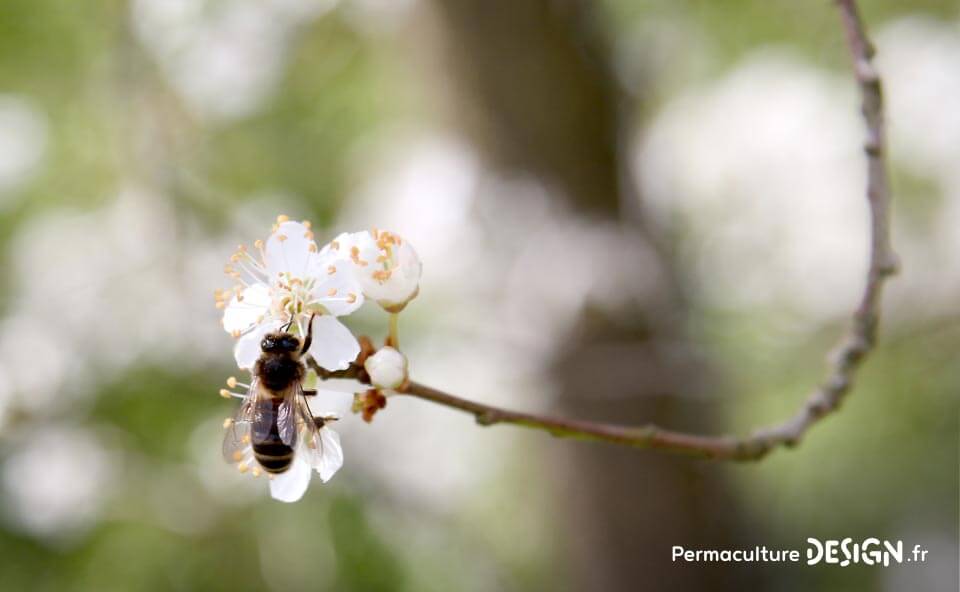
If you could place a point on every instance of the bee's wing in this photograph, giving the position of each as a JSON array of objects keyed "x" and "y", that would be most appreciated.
[
  {"x": 287, "y": 421},
  {"x": 236, "y": 440}
]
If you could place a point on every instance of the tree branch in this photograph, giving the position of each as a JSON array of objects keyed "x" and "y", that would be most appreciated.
[{"x": 856, "y": 342}]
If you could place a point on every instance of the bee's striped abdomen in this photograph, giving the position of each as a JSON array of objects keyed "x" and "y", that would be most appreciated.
[{"x": 268, "y": 448}]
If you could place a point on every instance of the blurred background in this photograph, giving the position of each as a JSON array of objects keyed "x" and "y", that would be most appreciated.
[{"x": 631, "y": 210}]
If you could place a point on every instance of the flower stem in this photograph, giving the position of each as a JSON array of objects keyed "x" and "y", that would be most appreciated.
[{"x": 394, "y": 339}]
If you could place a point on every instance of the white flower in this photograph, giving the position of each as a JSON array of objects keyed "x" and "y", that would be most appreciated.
[
  {"x": 326, "y": 460},
  {"x": 387, "y": 368},
  {"x": 320, "y": 451},
  {"x": 287, "y": 283},
  {"x": 387, "y": 266}
]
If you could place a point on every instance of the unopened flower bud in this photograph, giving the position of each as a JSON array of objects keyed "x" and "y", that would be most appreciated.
[{"x": 387, "y": 368}]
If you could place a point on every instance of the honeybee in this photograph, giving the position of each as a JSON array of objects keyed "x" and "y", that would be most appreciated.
[{"x": 275, "y": 415}]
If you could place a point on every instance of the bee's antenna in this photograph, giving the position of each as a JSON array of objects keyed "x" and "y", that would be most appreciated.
[
  {"x": 286, "y": 328},
  {"x": 309, "y": 339}
]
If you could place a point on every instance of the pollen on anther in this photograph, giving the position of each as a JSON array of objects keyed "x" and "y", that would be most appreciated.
[
  {"x": 306, "y": 224},
  {"x": 308, "y": 235},
  {"x": 243, "y": 468},
  {"x": 255, "y": 472},
  {"x": 245, "y": 439},
  {"x": 232, "y": 382},
  {"x": 282, "y": 218},
  {"x": 332, "y": 292},
  {"x": 237, "y": 455},
  {"x": 225, "y": 393},
  {"x": 334, "y": 245},
  {"x": 331, "y": 270},
  {"x": 227, "y": 423},
  {"x": 312, "y": 248},
  {"x": 258, "y": 244},
  {"x": 281, "y": 237},
  {"x": 236, "y": 333},
  {"x": 351, "y": 298},
  {"x": 220, "y": 304}
]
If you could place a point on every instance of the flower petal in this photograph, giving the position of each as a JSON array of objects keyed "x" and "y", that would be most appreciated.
[
  {"x": 337, "y": 289},
  {"x": 332, "y": 457},
  {"x": 292, "y": 484},
  {"x": 334, "y": 346},
  {"x": 247, "y": 350},
  {"x": 289, "y": 250},
  {"x": 241, "y": 314}
]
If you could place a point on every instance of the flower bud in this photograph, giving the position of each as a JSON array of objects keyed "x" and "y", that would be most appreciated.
[{"x": 387, "y": 368}]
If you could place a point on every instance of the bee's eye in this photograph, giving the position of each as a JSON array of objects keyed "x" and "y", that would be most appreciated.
[
  {"x": 290, "y": 343},
  {"x": 266, "y": 344}
]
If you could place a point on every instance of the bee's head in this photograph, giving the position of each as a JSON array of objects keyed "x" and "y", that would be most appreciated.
[{"x": 280, "y": 343}]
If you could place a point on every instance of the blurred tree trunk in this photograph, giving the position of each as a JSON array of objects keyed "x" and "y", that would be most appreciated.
[{"x": 536, "y": 93}]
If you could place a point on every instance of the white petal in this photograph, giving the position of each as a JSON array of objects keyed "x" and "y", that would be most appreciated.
[
  {"x": 291, "y": 485},
  {"x": 247, "y": 350},
  {"x": 338, "y": 292},
  {"x": 289, "y": 249},
  {"x": 240, "y": 315},
  {"x": 334, "y": 346},
  {"x": 332, "y": 458}
]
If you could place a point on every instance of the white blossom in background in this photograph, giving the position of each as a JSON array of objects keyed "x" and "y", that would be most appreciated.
[
  {"x": 762, "y": 170},
  {"x": 386, "y": 265},
  {"x": 55, "y": 483},
  {"x": 289, "y": 282},
  {"x": 23, "y": 141},
  {"x": 224, "y": 57},
  {"x": 387, "y": 368}
]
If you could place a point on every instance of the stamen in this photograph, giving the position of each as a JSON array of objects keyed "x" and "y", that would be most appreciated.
[
  {"x": 227, "y": 422},
  {"x": 255, "y": 472},
  {"x": 237, "y": 455},
  {"x": 331, "y": 270},
  {"x": 232, "y": 382},
  {"x": 332, "y": 292},
  {"x": 335, "y": 245},
  {"x": 351, "y": 297},
  {"x": 242, "y": 467},
  {"x": 307, "y": 224},
  {"x": 282, "y": 218},
  {"x": 281, "y": 237}
]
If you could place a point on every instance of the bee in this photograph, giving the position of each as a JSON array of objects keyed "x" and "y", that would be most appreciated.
[{"x": 274, "y": 415}]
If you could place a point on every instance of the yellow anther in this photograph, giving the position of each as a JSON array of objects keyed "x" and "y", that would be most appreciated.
[
  {"x": 307, "y": 224},
  {"x": 220, "y": 304},
  {"x": 245, "y": 439},
  {"x": 232, "y": 382},
  {"x": 227, "y": 423},
  {"x": 332, "y": 292},
  {"x": 308, "y": 235},
  {"x": 225, "y": 393},
  {"x": 351, "y": 298},
  {"x": 335, "y": 245},
  {"x": 228, "y": 269},
  {"x": 274, "y": 228},
  {"x": 236, "y": 333},
  {"x": 281, "y": 237},
  {"x": 255, "y": 472},
  {"x": 282, "y": 218},
  {"x": 258, "y": 244},
  {"x": 312, "y": 248},
  {"x": 243, "y": 468},
  {"x": 237, "y": 455}
]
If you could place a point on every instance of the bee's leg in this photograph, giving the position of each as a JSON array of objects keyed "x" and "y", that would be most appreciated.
[
  {"x": 309, "y": 339},
  {"x": 309, "y": 392}
]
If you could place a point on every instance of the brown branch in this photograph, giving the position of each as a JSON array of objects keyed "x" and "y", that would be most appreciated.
[{"x": 856, "y": 342}]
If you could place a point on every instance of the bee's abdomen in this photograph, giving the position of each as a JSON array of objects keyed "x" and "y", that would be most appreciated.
[{"x": 273, "y": 455}]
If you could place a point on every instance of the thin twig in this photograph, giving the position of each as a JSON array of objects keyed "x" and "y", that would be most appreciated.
[{"x": 856, "y": 342}]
